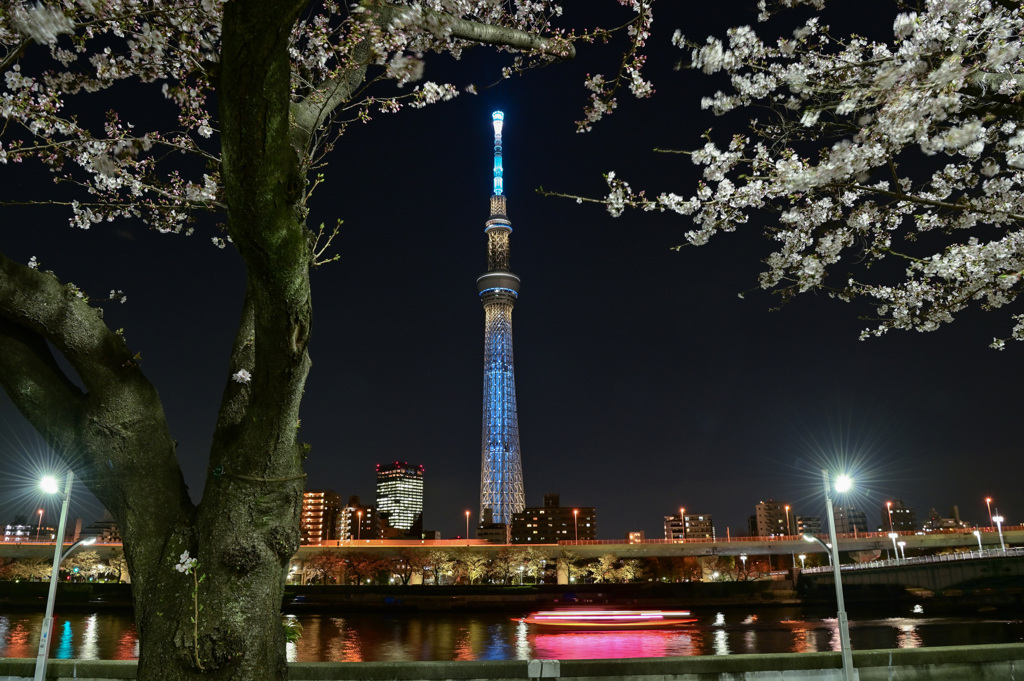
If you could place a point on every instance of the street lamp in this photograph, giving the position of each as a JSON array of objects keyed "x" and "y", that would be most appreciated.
[
  {"x": 743, "y": 558},
  {"x": 520, "y": 575},
  {"x": 977, "y": 535},
  {"x": 894, "y": 536},
  {"x": 888, "y": 508},
  {"x": 988, "y": 503},
  {"x": 999, "y": 525},
  {"x": 359, "y": 525},
  {"x": 842, "y": 484},
  {"x": 39, "y": 527},
  {"x": 682, "y": 523},
  {"x": 903, "y": 551},
  {"x": 576, "y": 524},
  {"x": 802, "y": 557},
  {"x": 789, "y": 530},
  {"x": 827, "y": 547},
  {"x": 467, "y": 525},
  {"x": 49, "y": 485}
]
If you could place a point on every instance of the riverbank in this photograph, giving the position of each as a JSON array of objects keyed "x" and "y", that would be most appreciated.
[
  {"x": 317, "y": 598},
  {"x": 465, "y": 598}
]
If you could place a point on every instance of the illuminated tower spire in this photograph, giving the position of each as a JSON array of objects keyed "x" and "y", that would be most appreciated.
[{"x": 501, "y": 474}]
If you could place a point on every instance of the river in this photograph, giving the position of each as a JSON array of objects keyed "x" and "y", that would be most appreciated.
[{"x": 376, "y": 636}]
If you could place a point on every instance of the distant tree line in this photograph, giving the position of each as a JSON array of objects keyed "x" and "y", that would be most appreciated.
[
  {"x": 80, "y": 566},
  {"x": 527, "y": 565}
]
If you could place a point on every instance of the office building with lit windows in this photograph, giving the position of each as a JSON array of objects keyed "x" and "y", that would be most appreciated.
[
  {"x": 773, "y": 519},
  {"x": 359, "y": 522},
  {"x": 697, "y": 526},
  {"x": 320, "y": 515},
  {"x": 552, "y": 523},
  {"x": 400, "y": 498}
]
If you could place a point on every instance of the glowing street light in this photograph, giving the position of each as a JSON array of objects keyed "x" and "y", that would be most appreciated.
[
  {"x": 575, "y": 524},
  {"x": 743, "y": 558},
  {"x": 977, "y": 535},
  {"x": 888, "y": 507},
  {"x": 467, "y": 524},
  {"x": 903, "y": 551},
  {"x": 988, "y": 503},
  {"x": 39, "y": 527},
  {"x": 49, "y": 485},
  {"x": 682, "y": 523},
  {"x": 802, "y": 557},
  {"x": 894, "y": 537},
  {"x": 843, "y": 483},
  {"x": 789, "y": 529},
  {"x": 998, "y": 519},
  {"x": 827, "y": 547},
  {"x": 359, "y": 525}
]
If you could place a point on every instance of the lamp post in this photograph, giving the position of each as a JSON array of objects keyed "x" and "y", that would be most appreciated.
[
  {"x": 359, "y": 525},
  {"x": 576, "y": 524},
  {"x": 843, "y": 483},
  {"x": 743, "y": 558},
  {"x": 682, "y": 523},
  {"x": 977, "y": 535},
  {"x": 988, "y": 503},
  {"x": 894, "y": 536},
  {"x": 520, "y": 575},
  {"x": 999, "y": 525},
  {"x": 49, "y": 485},
  {"x": 827, "y": 547},
  {"x": 903, "y": 551},
  {"x": 39, "y": 527},
  {"x": 802, "y": 557},
  {"x": 467, "y": 525}
]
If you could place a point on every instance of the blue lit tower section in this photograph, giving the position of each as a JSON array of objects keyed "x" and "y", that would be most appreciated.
[{"x": 501, "y": 475}]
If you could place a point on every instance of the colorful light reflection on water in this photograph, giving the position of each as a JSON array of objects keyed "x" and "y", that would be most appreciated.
[{"x": 374, "y": 636}]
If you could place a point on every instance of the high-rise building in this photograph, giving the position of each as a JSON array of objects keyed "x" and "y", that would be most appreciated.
[
  {"x": 773, "y": 519},
  {"x": 400, "y": 497},
  {"x": 501, "y": 475},
  {"x": 320, "y": 514},
  {"x": 552, "y": 523},
  {"x": 697, "y": 526},
  {"x": 808, "y": 524},
  {"x": 850, "y": 520},
  {"x": 897, "y": 517},
  {"x": 359, "y": 521}
]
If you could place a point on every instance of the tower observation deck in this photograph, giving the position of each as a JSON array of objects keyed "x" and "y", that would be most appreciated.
[{"x": 501, "y": 474}]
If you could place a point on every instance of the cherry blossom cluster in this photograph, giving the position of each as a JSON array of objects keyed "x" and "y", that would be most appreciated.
[
  {"x": 603, "y": 89},
  {"x": 908, "y": 150},
  {"x": 162, "y": 168}
]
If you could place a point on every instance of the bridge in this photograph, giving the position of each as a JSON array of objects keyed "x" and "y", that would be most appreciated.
[
  {"x": 651, "y": 548},
  {"x": 933, "y": 573}
]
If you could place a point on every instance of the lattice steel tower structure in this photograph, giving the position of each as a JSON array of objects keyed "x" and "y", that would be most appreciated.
[{"x": 501, "y": 474}]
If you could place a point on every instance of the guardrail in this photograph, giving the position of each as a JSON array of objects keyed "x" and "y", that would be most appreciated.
[{"x": 920, "y": 560}]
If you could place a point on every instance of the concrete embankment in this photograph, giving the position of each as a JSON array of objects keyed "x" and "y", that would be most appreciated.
[{"x": 960, "y": 663}]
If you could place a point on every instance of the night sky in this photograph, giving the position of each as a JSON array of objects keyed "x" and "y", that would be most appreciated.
[{"x": 644, "y": 382}]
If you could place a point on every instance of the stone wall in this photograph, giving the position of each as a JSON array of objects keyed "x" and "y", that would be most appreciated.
[{"x": 955, "y": 663}]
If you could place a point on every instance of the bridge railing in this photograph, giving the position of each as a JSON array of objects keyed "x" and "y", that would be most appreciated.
[{"x": 921, "y": 560}]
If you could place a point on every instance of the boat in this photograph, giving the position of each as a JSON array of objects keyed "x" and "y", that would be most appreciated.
[{"x": 606, "y": 620}]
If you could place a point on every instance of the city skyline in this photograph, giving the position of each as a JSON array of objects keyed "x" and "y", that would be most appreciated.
[{"x": 645, "y": 383}]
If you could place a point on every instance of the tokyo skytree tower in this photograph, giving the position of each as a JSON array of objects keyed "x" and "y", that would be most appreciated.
[{"x": 501, "y": 474}]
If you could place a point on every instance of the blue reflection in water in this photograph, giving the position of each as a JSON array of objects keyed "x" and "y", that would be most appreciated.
[
  {"x": 66, "y": 650},
  {"x": 498, "y": 646}
]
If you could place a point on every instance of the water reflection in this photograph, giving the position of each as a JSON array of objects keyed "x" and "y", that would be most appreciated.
[
  {"x": 611, "y": 644},
  {"x": 89, "y": 648},
  {"x": 359, "y": 636},
  {"x": 64, "y": 648}
]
